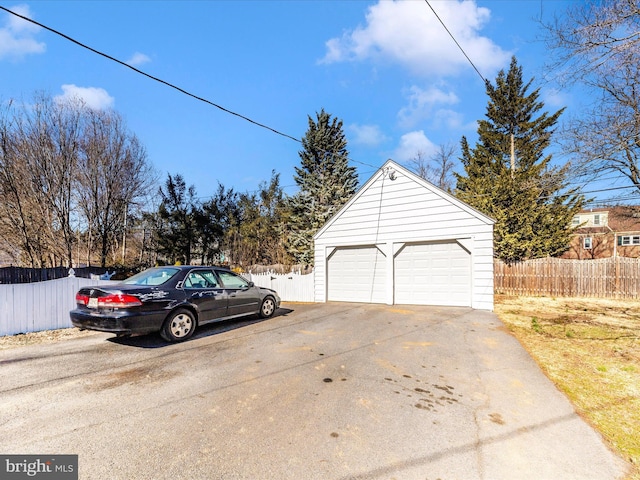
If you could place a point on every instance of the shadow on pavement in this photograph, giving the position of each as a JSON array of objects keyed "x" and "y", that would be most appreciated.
[{"x": 154, "y": 340}]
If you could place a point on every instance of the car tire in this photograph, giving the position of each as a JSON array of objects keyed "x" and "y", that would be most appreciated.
[
  {"x": 267, "y": 307},
  {"x": 179, "y": 326}
]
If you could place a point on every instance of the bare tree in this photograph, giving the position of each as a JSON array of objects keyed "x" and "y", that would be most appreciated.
[
  {"x": 597, "y": 45},
  {"x": 113, "y": 176},
  {"x": 438, "y": 168},
  {"x": 420, "y": 165},
  {"x": 63, "y": 165},
  {"x": 443, "y": 163},
  {"x": 39, "y": 153},
  {"x": 51, "y": 137},
  {"x": 21, "y": 238}
]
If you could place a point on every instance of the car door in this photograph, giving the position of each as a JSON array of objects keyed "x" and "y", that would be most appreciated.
[
  {"x": 242, "y": 297},
  {"x": 203, "y": 290}
]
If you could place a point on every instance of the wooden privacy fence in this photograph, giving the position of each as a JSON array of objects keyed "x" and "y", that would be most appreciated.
[
  {"x": 616, "y": 277},
  {"x": 45, "y": 305}
]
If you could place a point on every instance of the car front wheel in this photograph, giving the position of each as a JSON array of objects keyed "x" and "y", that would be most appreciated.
[
  {"x": 179, "y": 326},
  {"x": 267, "y": 308}
]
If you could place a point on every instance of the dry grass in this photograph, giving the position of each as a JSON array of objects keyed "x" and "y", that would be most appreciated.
[
  {"x": 46, "y": 336},
  {"x": 590, "y": 348}
]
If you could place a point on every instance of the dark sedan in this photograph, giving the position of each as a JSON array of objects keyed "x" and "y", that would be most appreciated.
[{"x": 172, "y": 301}]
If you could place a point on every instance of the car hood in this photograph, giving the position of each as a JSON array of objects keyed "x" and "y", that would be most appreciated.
[{"x": 267, "y": 291}]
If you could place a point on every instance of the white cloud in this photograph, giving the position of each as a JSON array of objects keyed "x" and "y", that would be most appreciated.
[
  {"x": 138, "y": 59},
  {"x": 17, "y": 35},
  {"x": 95, "y": 98},
  {"x": 450, "y": 119},
  {"x": 411, "y": 143},
  {"x": 408, "y": 33},
  {"x": 554, "y": 98},
  {"x": 367, "y": 135},
  {"x": 423, "y": 103}
]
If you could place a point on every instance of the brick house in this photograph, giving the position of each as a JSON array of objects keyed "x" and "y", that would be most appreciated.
[{"x": 606, "y": 232}]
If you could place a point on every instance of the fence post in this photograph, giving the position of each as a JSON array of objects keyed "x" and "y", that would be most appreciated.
[
  {"x": 617, "y": 280},
  {"x": 567, "y": 277}
]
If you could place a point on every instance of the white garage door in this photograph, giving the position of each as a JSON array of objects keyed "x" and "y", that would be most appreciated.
[
  {"x": 437, "y": 273},
  {"x": 356, "y": 275}
]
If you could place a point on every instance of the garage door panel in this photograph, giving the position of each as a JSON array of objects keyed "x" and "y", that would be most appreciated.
[
  {"x": 357, "y": 275},
  {"x": 462, "y": 262},
  {"x": 437, "y": 273},
  {"x": 442, "y": 263}
]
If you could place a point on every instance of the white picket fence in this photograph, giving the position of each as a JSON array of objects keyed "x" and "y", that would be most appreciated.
[
  {"x": 291, "y": 287},
  {"x": 33, "y": 307}
]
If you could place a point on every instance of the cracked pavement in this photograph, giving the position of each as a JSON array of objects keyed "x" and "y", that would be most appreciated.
[{"x": 320, "y": 391}]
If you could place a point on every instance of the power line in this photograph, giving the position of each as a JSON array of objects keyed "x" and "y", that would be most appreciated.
[
  {"x": 612, "y": 180},
  {"x": 181, "y": 90},
  {"x": 485, "y": 81},
  {"x": 168, "y": 84},
  {"x": 611, "y": 189},
  {"x": 456, "y": 42}
]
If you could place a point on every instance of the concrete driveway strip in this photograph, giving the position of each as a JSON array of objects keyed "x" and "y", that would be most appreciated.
[{"x": 320, "y": 391}]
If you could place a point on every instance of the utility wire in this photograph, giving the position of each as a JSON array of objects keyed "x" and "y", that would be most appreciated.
[
  {"x": 168, "y": 84},
  {"x": 243, "y": 117},
  {"x": 484, "y": 80},
  {"x": 611, "y": 189},
  {"x": 181, "y": 90}
]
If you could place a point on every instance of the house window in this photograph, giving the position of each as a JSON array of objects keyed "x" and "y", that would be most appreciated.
[
  {"x": 575, "y": 220},
  {"x": 596, "y": 219},
  {"x": 586, "y": 243},
  {"x": 624, "y": 240}
]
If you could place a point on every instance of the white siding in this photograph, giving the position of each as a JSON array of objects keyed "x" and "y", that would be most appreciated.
[{"x": 408, "y": 210}]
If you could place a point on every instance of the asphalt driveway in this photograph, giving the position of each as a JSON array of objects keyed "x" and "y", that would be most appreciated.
[{"x": 320, "y": 391}]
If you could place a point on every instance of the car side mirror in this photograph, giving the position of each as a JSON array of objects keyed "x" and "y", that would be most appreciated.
[{"x": 251, "y": 284}]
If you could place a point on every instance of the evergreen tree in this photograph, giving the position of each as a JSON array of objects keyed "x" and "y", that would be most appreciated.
[
  {"x": 508, "y": 176},
  {"x": 273, "y": 216},
  {"x": 218, "y": 224},
  {"x": 178, "y": 213},
  {"x": 326, "y": 183}
]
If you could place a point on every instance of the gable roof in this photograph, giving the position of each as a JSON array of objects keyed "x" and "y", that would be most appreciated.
[
  {"x": 391, "y": 167},
  {"x": 620, "y": 218}
]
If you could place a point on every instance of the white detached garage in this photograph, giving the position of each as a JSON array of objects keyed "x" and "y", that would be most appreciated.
[{"x": 402, "y": 240}]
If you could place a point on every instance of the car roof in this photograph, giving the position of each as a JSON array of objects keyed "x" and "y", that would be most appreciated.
[{"x": 191, "y": 267}]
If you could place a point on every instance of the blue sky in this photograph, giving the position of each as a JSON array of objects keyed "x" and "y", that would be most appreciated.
[{"x": 388, "y": 69}]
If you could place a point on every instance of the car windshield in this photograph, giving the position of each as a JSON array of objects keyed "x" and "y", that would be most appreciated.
[{"x": 152, "y": 276}]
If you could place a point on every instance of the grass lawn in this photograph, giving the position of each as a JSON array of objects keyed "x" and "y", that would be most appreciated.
[{"x": 590, "y": 348}]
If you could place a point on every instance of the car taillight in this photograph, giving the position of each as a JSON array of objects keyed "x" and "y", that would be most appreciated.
[
  {"x": 82, "y": 299},
  {"x": 119, "y": 300}
]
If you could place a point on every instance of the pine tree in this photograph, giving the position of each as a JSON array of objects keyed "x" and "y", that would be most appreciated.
[
  {"x": 509, "y": 177},
  {"x": 325, "y": 180},
  {"x": 177, "y": 214}
]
